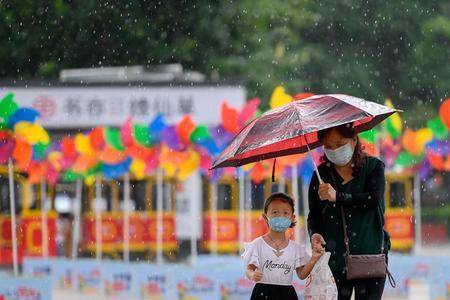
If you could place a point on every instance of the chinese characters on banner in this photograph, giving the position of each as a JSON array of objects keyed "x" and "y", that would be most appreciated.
[{"x": 85, "y": 107}]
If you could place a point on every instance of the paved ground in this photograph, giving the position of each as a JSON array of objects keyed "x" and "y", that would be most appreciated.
[
  {"x": 416, "y": 291},
  {"x": 443, "y": 250},
  {"x": 70, "y": 296}
]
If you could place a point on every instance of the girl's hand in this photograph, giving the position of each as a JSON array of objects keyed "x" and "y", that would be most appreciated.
[
  {"x": 317, "y": 240},
  {"x": 327, "y": 192},
  {"x": 318, "y": 246},
  {"x": 317, "y": 252},
  {"x": 257, "y": 275}
]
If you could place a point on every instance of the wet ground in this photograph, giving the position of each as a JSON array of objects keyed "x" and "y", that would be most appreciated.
[{"x": 416, "y": 290}]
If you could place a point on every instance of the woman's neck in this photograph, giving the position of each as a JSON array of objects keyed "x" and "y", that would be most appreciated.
[{"x": 344, "y": 169}]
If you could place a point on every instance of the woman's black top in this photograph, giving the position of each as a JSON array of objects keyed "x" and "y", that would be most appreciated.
[{"x": 363, "y": 201}]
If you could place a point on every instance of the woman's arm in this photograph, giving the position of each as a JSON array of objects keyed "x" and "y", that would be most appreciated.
[{"x": 374, "y": 190}]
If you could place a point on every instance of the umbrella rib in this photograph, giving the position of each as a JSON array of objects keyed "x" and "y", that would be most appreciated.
[
  {"x": 309, "y": 150},
  {"x": 352, "y": 104},
  {"x": 356, "y": 106}
]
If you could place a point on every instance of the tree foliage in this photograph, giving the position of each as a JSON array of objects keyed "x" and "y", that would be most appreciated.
[{"x": 372, "y": 49}]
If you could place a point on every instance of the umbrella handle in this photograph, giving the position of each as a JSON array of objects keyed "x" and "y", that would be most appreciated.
[
  {"x": 312, "y": 159},
  {"x": 315, "y": 167}
]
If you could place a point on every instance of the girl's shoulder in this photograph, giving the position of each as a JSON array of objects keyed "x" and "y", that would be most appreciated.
[
  {"x": 252, "y": 250},
  {"x": 257, "y": 240},
  {"x": 251, "y": 245}
]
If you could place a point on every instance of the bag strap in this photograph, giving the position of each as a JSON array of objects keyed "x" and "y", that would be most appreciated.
[
  {"x": 346, "y": 240},
  {"x": 391, "y": 278},
  {"x": 344, "y": 223}
]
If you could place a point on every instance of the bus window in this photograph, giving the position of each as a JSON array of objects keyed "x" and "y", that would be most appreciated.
[
  {"x": 36, "y": 196},
  {"x": 205, "y": 194},
  {"x": 397, "y": 194},
  {"x": 224, "y": 197},
  {"x": 139, "y": 194},
  {"x": 274, "y": 187},
  {"x": 227, "y": 194},
  {"x": 63, "y": 203},
  {"x": 35, "y": 199},
  {"x": 167, "y": 196},
  {"x": 4, "y": 195},
  {"x": 257, "y": 196},
  {"x": 107, "y": 195},
  {"x": 87, "y": 196},
  {"x": 299, "y": 197},
  {"x": 64, "y": 196}
]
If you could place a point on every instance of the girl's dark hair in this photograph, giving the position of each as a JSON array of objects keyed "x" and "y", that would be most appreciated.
[
  {"x": 283, "y": 197},
  {"x": 347, "y": 131}
]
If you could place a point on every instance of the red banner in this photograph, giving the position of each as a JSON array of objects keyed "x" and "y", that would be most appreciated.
[
  {"x": 227, "y": 232},
  {"x": 143, "y": 231},
  {"x": 227, "y": 227},
  {"x": 31, "y": 228},
  {"x": 29, "y": 236},
  {"x": 400, "y": 226}
]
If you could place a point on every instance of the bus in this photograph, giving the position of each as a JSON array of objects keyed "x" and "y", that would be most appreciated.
[
  {"x": 28, "y": 210},
  {"x": 217, "y": 230}
]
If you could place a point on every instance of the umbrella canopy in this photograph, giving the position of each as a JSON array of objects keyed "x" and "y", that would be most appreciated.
[{"x": 293, "y": 128}]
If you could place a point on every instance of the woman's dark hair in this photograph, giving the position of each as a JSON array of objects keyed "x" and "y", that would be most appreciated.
[
  {"x": 282, "y": 197},
  {"x": 347, "y": 131}
]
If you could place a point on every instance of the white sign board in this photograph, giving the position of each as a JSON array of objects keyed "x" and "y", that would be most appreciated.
[
  {"x": 85, "y": 107},
  {"x": 189, "y": 208}
]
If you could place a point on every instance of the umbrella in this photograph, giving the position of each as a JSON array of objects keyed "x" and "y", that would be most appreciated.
[{"x": 293, "y": 128}]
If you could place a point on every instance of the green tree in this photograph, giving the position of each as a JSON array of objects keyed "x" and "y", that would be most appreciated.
[{"x": 372, "y": 49}]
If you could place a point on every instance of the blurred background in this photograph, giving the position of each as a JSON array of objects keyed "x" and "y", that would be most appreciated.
[
  {"x": 372, "y": 49},
  {"x": 113, "y": 111}
]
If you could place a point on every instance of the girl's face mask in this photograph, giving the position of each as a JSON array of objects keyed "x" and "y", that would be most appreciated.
[
  {"x": 279, "y": 224},
  {"x": 340, "y": 156}
]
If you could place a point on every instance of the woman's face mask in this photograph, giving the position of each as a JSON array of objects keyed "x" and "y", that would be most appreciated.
[{"x": 340, "y": 156}]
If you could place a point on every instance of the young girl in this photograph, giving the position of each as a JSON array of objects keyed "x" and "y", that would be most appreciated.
[{"x": 271, "y": 259}]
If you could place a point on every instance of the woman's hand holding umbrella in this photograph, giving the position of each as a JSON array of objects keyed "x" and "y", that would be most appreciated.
[{"x": 327, "y": 192}]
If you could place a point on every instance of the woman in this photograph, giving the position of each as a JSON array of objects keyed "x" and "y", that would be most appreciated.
[{"x": 355, "y": 181}]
